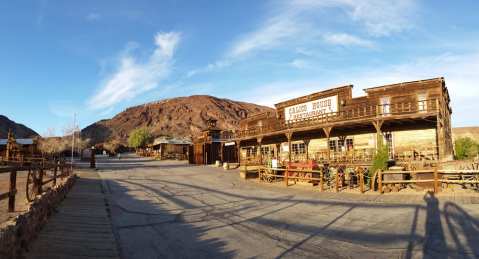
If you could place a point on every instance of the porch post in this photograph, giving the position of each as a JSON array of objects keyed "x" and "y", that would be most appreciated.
[
  {"x": 306, "y": 147},
  {"x": 379, "y": 135},
  {"x": 258, "y": 141},
  {"x": 327, "y": 132},
  {"x": 289, "y": 136},
  {"x": 238, "y": 147}
]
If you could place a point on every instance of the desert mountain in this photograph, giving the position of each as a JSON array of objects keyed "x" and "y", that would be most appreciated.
[
  {"x": 19, "y": 130},
  {"x": 178, "y": 117}
]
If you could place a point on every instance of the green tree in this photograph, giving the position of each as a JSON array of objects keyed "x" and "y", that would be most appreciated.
[
  {"x": 139, "y": 138},
  {"x": 466, "y": 148},
  {"x": 380, "y": 160}
]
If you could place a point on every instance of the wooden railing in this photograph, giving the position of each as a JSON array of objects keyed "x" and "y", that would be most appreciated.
[
  {"x": 321, "y": 177},
  {"x": 350, "y": 114},
  {"x": 36, "y": 169},
  {"x": 438, "y": 178}
]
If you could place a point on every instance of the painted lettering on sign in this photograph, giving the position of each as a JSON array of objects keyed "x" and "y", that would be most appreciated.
[{"x": 320, "y": 107}]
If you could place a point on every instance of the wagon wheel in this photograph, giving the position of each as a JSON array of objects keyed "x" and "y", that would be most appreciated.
[{"x": 31, "y": 189}]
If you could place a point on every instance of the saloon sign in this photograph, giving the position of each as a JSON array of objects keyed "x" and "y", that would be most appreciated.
[{"x": 311, "y": 109}]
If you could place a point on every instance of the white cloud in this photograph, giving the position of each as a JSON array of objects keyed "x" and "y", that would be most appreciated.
[
  {"x": 91, "y": 17},
  {"x": 300, "y": 64},
  {"x": 378, "y": 17},
  {"x": 345, "y": 39},
  {"x": 133, "y": 77},
  {"x": 291, "y": 23},
  {"x": 459, "y": 71}
]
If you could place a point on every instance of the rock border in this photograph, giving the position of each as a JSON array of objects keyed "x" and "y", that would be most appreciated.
[{"x": 17, "y": 234}]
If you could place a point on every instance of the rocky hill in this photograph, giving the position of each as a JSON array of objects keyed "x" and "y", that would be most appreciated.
[
  {"x": 19, "y": 130},
  {"x": 178, "y": 117}
]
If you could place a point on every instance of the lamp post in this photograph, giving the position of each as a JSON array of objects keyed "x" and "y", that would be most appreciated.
[{"x": 92, "y": 157}]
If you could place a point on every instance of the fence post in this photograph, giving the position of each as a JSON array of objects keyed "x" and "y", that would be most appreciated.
[
  {"x": 361, "y": 182},
  {"x": 321, "y": 180},
  {"x": 337, "y": 182},
  {"x": 12, "y": 191},
  {"x": 40, "y": 180},
  {"x": 436, "y": 181},
  {"x": 55, "y": 170},
  {"x": 380, "y": 181},
  {"x": 286, "y": 173}
]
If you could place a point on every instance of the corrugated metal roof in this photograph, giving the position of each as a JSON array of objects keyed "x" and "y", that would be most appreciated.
[{"x": 20, "y": 141}]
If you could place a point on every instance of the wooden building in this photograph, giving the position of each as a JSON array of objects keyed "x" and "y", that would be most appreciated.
[
  {"x": 17, "y": 149},
  {"x": 412, "y": 118},
  {"x": 170, "y": 148},
  {"x": 213, "y": 145}
]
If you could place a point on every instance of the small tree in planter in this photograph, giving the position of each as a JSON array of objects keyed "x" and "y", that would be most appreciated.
[{"x": 380, "y": 160}]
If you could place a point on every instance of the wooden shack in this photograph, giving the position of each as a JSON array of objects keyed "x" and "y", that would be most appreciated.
[
  {"x": 412, "y": 118},
  {"x": 170, "y": 148},
  {"x": 17, "y": 149}
]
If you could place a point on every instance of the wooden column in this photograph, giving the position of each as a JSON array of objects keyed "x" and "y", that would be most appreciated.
[
  {"x": 278, "y": 150},
  {"x": 12, "y": 191},
  {"x": 289, "y": 135},
  {"x": 327, "y": 132},
  {"x": 379, "y": 135},
  {"x": 258, "y": 141},
  {"x": 238, "y": 147},
  {"x": 306, "y": 147}
]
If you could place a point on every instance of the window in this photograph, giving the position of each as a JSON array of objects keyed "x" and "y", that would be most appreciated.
[
  {"x": 349, "y": 144},
  {"x": 332, "y": 145},
  {"x": 265, "y": 150},
  {"x": 298, "y": 148},
  {"x": 421, "y": 102},
  {"x": 250, "y": 151},
  {"x": 385, "y": 103},
  {"x": 340, "y": 144},
  {"x": 388, "y": 138}
]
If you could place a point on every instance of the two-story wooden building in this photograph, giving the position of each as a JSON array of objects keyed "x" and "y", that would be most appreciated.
[{"x": 412, "y": 118}]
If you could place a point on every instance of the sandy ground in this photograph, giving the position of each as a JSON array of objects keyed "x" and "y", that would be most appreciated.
[
  {"x": 173, "y": 210},
  {"x": 21, "y": 203}
]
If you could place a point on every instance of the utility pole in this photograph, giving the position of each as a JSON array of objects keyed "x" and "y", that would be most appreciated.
[{"x": 73, "y": 135}]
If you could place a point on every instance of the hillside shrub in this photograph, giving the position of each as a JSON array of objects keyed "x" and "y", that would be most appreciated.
[{"x": 466, "y": 148}]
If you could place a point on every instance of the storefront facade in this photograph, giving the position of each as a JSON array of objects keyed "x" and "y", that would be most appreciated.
[{"x": 411, "y": 118}]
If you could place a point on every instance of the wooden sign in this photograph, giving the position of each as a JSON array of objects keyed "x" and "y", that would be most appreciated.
[{"x": 320, "y": 107}]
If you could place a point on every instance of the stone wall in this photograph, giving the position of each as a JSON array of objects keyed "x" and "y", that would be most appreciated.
[{"x": 18, "y": 233}]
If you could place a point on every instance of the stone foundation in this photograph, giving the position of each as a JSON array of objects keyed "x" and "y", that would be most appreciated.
[{"x": 16, "y": 234}]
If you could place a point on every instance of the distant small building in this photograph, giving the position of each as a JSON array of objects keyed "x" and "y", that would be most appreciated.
[
  {"x": 16, "y": 149},
  {"x": 170, "y": 148}
]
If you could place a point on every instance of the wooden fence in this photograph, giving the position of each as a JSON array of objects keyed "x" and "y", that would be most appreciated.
[
  {"x": 319, "y": 177},
  {"x": 439, "y": 177},
  {"x": 434, "y": 178},
  {"x": 36, "y": 169}
]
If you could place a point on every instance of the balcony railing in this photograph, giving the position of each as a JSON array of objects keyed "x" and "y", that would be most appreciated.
[{"x": 350, "y": 114}]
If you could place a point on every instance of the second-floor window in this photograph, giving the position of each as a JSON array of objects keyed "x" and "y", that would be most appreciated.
[
  {"x": 385, "y": 105},
  {"x": 422, "y": 102}
]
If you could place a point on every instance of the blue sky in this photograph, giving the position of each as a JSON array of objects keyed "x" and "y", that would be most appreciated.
[{"x": 96, "y": 58}]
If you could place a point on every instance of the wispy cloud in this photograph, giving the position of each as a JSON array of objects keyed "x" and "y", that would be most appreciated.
[
  {"x": 345, "y": 39},
  {"x": 459, "y": 71},
  {"x": 134, "y": 77},
  {"x": 292, "y": 23},
  {"x": 300, "y": 64}
]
